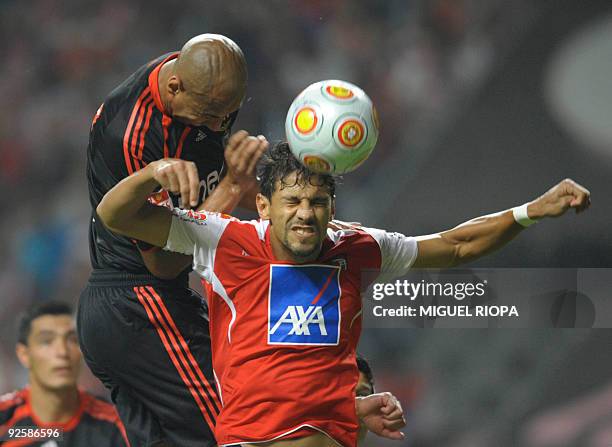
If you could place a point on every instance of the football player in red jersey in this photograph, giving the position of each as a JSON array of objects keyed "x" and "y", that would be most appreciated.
[
  {"x": 276, "y": 316},
  {"x": 65, "y": 416}
]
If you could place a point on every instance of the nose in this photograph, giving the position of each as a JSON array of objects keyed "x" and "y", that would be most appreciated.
[
  {"x": 61, "y": 348},
  {"x": 305, "y": 212}
]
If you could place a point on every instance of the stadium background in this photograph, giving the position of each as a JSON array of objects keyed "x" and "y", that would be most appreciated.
[{"x": 483, "y": 104}]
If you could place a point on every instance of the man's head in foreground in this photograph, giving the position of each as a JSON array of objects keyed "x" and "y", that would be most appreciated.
[
  {"x": 298, "y": 202},
  {"x": 47, "y": 346},
  {"x": 207, "y": 83}
]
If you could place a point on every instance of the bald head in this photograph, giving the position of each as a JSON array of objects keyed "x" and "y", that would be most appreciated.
[{"x": 213, "y": 66}]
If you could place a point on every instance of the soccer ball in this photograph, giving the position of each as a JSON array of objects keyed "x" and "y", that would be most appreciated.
[{"x": 332, "y": 127}]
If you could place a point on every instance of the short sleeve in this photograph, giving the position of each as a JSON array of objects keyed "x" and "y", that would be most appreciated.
[
  {"x": 196, "y": 233},
  {"x": 398, "y": 252}
]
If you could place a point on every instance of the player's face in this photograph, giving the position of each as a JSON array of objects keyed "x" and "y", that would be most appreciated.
[
  {"x": 52, "y": 354},
  {"x": 299, "y": 215},
  {"x": 196, "y": 110},
  {"x": 363, "y": 386}
]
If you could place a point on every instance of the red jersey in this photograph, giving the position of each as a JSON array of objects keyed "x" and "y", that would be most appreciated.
[{"x": 283, "y": 334}]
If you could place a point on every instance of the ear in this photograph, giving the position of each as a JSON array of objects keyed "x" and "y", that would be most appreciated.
[
  {"x": 174, "y": 85},
  {"x": 263, "y": 206},
  {"x": 23, "y": 355}
]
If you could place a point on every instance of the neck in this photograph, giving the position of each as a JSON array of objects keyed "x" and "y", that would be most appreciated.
[
  {"x": 165, "y": 72},
  {"x": 53, "y": 406}
]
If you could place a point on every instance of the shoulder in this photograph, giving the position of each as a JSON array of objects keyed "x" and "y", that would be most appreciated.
[
  {"x": 13, "y": 399},
  {"x": 98, "y": 408},
  {"x": 12, "y": 403}
]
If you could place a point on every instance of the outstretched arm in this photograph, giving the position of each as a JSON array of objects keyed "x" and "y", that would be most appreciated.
[{"x": 482, "y": 235}]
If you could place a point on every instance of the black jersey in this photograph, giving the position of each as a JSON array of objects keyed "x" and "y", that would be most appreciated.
[
  {"x": 95, "y": 423},
  {"x": 130, "y": 130}
]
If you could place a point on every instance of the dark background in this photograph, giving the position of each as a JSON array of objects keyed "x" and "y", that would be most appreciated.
[{"x": 484, "y": 104}]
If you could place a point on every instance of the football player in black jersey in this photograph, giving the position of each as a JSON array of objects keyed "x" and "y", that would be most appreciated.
[
  {"x": 52, "y": 404},
  {"x": 153, "y": 352}
]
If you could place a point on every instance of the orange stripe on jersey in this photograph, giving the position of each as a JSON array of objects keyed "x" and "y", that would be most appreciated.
[
  {"x": 138, "y": 127},
  {"x": 19, "y": 414},
  {"x": 175, "y": 336},
  {"x": 145, "y": 300},
  {"x": 12, "y": 399},
  {"x": 324, "y": 288},
  {"x": 166, "y": 121},
  {"x": 154, "y": 82},
  {"x": 128, "y": 131},
  {"x": 145, "y": 129},
  {"x": 183, "y": 343},
  {"x": 179, "y": 149},
  {"x": 97, "y": 115}
]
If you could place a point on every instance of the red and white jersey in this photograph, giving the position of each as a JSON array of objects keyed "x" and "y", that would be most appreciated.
[{"x": 284, "y": 335}]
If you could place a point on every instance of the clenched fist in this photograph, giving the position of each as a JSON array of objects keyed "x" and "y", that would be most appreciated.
[
  {"x": 557, "y": 200},
  {"x": 178, "y": 177}
]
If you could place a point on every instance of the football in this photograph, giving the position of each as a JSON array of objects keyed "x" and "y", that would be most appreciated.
[{"x": 332, "y": 127}]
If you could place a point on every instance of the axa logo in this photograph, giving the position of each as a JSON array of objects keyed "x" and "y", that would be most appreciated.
[
  {"x": 304, "y": 305},
  {"x": 300, "y": 319}
]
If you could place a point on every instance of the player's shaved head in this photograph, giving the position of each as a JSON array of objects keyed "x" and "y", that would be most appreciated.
[{"x": 213, "y": 66}]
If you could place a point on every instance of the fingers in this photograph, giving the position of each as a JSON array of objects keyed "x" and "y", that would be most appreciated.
[
  {"x": 392, "y": 434},
  {"x": 179, "y": 177},
  {"x": 242, "y": 154},
  {"x": 580, "y": 196}
]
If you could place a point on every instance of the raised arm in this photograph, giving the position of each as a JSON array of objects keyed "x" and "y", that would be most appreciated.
[
  {"x": 126, "y": 210},
  {"x": 236, "y": 188},
  {"x": 482, "y": 235}
]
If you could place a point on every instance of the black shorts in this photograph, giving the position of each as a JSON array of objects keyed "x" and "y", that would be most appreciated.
[{"x": 147, "y": 340}]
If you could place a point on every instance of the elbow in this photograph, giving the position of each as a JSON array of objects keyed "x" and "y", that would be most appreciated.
[{"x": 108, "y": 219}]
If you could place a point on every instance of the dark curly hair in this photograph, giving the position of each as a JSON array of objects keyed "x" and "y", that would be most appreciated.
[{"x": 278, "y": 163}]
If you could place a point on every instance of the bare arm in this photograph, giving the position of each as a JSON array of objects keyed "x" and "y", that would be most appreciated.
[
  {"x": 241, "y": 154},
  {"x": 126, "y": 210},
  {"x": 482, "y": 235}
]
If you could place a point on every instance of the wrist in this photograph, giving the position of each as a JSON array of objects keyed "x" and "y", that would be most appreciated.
[
  {"x": 357, "y": 407},
  {"x": 526, "y": 214}
]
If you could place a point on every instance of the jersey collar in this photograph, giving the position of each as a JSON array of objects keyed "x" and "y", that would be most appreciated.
[{"x": 154, "y": 82}]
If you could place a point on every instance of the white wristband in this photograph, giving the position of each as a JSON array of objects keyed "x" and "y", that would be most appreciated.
[{"x": 521, "y": 217}]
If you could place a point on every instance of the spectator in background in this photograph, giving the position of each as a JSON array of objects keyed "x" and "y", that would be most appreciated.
[{"x": 47, "y": 347}]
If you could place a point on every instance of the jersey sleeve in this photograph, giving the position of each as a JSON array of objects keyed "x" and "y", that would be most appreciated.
[
  {"x": 197, "y": 234},
  {"x": 398, "y": 252}
]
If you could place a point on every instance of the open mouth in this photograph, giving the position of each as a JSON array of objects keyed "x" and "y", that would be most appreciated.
[{"x": 304, "y": 230}]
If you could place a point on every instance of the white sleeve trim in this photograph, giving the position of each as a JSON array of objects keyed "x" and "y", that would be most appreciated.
[{"x": 398, "y": 252}]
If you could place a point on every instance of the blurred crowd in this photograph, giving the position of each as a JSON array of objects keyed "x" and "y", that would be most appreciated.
[{"x": 417, "y": 60}]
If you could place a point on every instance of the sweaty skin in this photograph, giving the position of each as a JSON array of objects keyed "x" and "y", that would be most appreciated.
[{"x": 206, "y": 83}]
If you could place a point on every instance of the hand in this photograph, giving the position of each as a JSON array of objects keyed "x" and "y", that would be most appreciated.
[
  {"x": 178, "y": 177},
  {"x": 382, "y": 414},
  {"x": 241, "y": 155},
  {"x": 557, "y": 200}
]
